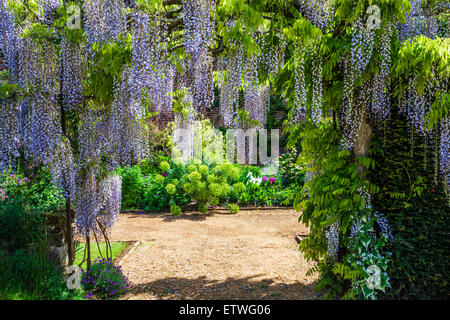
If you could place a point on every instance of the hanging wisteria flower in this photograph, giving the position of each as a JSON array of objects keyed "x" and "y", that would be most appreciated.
[
  {"x": 299, "y": 114},
  {"x": 332, "y": 235}
]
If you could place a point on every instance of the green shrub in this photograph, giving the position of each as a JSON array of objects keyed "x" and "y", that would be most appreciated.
[
  {"x": 36, "y": 191},
  {"x": 203, "y": 169},
  {"x": 175, "y": 210},
  {"x": 291, "y": 170},
  {"x": 203, "y": 208},
  {"x": 208, "y": 185},
  {"x": 214, "y": 201},
  {"x": 239, "y": 187},
  {"x": 151, "y": 165},
  {"x": 133, "y": 183},
  {"x": 34, "y": 276},
  {"x": 163, "y": 189},
  {"x": 233, "y": 208},
  {"x": 211, "y": 186},
  {"x": 171, "y": 189},
  {"x": 164, "y": 166},
  {"x": 265, "y": 191},
  {"x": 152, "y": 192},
  {"x": 20, "y": 228},
  {"x": 154, "y": 196},
  {"x": 159, "y": 178},
  {"x": 104, "y": 279}
]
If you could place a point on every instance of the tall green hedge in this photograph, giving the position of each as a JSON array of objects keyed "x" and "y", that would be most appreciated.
[{"x": 417, "y": 209}]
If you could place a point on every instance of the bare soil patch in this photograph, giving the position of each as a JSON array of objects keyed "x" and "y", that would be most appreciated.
[{"x": 217, "y": 255}]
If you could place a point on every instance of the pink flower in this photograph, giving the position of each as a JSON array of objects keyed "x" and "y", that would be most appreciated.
[
  {"x": 272, "y": 180},
  {"x": 264, "y": 179}
]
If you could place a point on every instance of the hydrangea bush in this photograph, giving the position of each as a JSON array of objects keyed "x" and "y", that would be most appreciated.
[{"x": 211, "y": 185}]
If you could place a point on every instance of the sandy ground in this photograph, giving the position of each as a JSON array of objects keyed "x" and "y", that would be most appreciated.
[{"x": 251, "y": 255}]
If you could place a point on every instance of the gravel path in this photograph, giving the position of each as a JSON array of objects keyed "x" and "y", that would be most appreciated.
[{"x": 251, "y": 255}]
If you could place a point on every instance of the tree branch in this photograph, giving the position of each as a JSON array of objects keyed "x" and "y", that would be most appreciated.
[
  {"x": 219, "y": 49},
  {"x": 171, "y": 14},
  {"x": 171, "y": 2},
  {"x": 174, "y": 25},
  {"x": 35, "y": 16}
]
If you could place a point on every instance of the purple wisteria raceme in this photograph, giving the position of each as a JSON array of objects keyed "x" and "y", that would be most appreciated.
[
  {"x": 72, "y": 66},
  {"x": 11, "y": 124},
  {"x": 152, "y": 76},
  {"x": 89, "y": 136},
  {"x": 420, "y": 21},
  {"x": 254, "y": 102},
  {"x": 10, "y": 135},
  {"x": 380, "y": 105},
  {"x": 62, "y": 168},
  {"x": 384, "y": 226},
  {"x": 316, "y": 110},
  {"x": 86, "y": 201},
  {"x": 332, "y": 236},
  {"x": 199, "y": 26},
  {"x": 276, "y": 57},
  {"x": 414, "y": 107},
  {"x": 299, "y": 113},
  {"x": 41, "y": 114},
  {"x": 49, "y": 8},
  {"x": 354, "y": 65},
  {"x": 9, "y": 39},
  {"x": 203, "y": 85},
  {"x": 318, "y": 12},
  {"x": 231, "y": 68},
  {"x": 110, "y": 198},
  {"x": 129, "y": 138},
  {"x": 103, "y": 22}
]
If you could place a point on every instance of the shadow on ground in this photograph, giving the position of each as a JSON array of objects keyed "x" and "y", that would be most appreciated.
[
  {"x": 167, "y": 217},
  {"x": 229, "y": 289}
]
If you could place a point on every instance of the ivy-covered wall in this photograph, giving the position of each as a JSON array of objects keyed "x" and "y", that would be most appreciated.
[{"x": 415, "y": 204}]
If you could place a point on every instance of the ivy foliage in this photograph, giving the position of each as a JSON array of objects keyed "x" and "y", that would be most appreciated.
[
  {"x": 333, "y": 195},
  {"x": 412, "y": 199}
]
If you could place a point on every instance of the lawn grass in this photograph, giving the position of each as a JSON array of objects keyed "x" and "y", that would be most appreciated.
[{"x": 117, "y": 248}]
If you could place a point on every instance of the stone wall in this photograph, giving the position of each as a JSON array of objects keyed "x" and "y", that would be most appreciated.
[{"x": 55, "y": 223}]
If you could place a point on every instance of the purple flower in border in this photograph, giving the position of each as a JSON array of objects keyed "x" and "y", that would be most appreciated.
[
  {"x": 264, "y": 179},
  {"x": 272, "y": 179},
  {"x": 164, "y": 174}
]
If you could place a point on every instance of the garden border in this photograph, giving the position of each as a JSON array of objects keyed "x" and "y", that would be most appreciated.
[
  {"x": 215, "y": 209},
  {"x": 125, "y": 254}
]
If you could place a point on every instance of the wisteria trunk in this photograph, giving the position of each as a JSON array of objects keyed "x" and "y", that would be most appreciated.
[
  {"x": 69, "y": 235},
  {"x": 88, "y": 249}
]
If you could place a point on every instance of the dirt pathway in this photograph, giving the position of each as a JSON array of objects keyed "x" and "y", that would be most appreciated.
[{"x": 251, "y": 255}]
